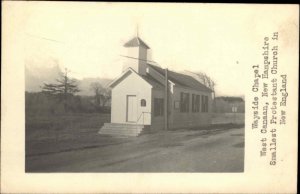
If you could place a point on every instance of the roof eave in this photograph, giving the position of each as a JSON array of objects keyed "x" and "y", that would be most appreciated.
[{"x": 115, "y": 81}]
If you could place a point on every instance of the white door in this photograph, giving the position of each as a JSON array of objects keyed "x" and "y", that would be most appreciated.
[{"x": 131, "y": 108}]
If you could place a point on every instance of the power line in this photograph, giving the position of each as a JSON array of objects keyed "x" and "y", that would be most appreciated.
[
  {"x": 45, "y": 38},
  {"x": 59, "y": 41},
  {"x": 138, "y": 59}
]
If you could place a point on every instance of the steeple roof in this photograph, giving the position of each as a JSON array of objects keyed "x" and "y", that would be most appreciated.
[{"x": 135, "y": 42}]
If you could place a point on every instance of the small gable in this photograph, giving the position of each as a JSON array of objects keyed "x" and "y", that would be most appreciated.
[
  {"x": 120, "y": 79},
  {"x": 127, "y": 74}
]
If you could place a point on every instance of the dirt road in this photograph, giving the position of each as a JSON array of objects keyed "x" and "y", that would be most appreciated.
[{"x": 171, "y": 151}]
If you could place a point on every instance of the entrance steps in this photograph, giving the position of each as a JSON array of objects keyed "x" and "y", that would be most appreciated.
[{"x": 121, "y": 130}]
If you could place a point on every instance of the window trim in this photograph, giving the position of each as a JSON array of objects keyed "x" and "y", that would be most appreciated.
[
  {"x": 184, "y": 105},
  {"x": 195, "y": 103},
  {"x": 143, "y": 103},
  {"x": 204, "y": 103},
  {"x": 158, "y": 110}
]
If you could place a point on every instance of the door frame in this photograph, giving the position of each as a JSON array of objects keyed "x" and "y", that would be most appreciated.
[{"x": 127, "y": 97}]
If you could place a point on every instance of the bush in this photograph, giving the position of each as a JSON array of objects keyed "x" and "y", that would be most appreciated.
[{"x": 45, "y": 104}]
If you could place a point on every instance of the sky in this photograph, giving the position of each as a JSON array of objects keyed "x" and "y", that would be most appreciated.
[{"x": 88, "y": 38}]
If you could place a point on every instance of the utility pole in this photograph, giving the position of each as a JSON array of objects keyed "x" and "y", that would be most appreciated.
[{"x": 166, "y": 99}]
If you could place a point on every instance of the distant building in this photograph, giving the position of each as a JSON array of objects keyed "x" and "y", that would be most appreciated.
[
  {"x": 140, "y": 100},
  {"x": 229, "y": 104}
]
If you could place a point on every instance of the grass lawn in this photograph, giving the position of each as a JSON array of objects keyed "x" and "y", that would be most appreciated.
[
  {"x": 224, "y": 118},
  {"x": 57, "y": 133},
  {"x": 194, "y": 150}
]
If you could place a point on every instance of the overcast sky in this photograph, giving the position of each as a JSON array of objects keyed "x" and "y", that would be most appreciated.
[{"x": 88, "y": 38}]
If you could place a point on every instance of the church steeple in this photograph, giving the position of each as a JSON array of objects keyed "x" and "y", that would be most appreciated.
[
  {"x": 136, "y": 42},
  {"x": 136, "y": 54}
]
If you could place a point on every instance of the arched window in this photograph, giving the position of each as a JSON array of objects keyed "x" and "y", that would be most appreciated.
[{"x": 143, "y": 102}]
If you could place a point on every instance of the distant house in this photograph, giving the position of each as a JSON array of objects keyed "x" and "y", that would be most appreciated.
[
  {"x": 229, "y": 104},
  {"x": 141, "y": 100}
]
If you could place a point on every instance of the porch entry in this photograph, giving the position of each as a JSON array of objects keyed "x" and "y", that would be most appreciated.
[{"x": 131, "y": 114}]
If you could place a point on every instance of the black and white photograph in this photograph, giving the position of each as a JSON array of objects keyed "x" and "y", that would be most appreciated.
[
  {"x": 149, "y": 97},
  {"x": 133, "y": 94}
]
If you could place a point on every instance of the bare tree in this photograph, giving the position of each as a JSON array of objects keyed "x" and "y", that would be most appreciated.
[
  {"x": 102, "y": 94},
  {"x": 96, "y": 87},
  {"x": 64, "y": 87},
  {"x": 205, "y": 80},
  {"x": 105, "y": 96}
]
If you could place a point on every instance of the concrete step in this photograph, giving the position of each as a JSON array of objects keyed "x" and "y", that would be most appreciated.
[
  {"x": 119, "y": 125},
  {"x": 119, "y": 134},
  {"x": 121, "y": 130},
  {"x": 123, "y": 126},
  {"x": 114, "y": 131}
]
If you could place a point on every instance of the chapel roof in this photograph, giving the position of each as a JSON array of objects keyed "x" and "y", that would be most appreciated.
[
  {"x": 153, "y": 82},
  {"x": 136, "y": 41},
  {"x": 182, "y": 79}
]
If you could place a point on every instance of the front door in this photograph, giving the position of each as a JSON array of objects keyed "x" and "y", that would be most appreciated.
[{"x": 131, "y": 108}]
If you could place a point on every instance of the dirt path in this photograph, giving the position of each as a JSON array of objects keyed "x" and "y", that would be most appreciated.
[{"x": 177, "y": 151}]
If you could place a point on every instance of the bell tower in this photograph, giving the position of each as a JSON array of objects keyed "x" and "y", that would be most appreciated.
[{"x": 137, "y": 51}]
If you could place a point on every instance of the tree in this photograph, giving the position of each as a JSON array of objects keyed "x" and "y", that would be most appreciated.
[
  {"x": 105, "y": 96},
  {"x": 64, "y": 88},
  {"x": 205, "y": 80},
  {"x": 102, "y": 94},
  {"x": 96, "y": 87}
]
